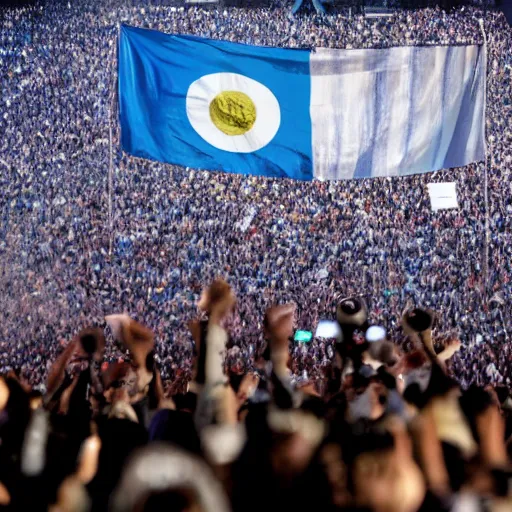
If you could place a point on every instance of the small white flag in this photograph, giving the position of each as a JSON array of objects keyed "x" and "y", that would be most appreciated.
[
  {"x": 244, "y": 224},
  {"x": 443, "y": 195},
  {"x": 328, "y": 329}
]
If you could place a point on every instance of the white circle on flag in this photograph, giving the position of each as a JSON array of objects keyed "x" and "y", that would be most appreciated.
[{"x": 203, "y": 91}]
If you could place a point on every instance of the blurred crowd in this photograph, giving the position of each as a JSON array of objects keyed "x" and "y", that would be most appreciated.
[
  {"x": 382, "y": 429},
  {"x": 86, "y": 231}
]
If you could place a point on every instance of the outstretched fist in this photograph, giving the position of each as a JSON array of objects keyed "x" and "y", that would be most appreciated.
[
  {"x": 279, "y": 323},
  {"x": 218, "y": 300},
  {"x": 137, "y": 338}
]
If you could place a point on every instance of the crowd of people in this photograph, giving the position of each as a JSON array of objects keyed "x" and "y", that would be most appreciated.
[
  {"x": 87, "y": 231},
  {"x": 382, "y": 429},
  {"x": 132, "y": 378}
]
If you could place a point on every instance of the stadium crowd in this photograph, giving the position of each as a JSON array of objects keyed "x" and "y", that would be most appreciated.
[
  {"x": 82, "y": 237},
  {"x": 418, "y": 417},
  {"x": 387, "y": 430}
]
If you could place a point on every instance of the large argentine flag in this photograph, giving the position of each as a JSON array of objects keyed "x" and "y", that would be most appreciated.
[{"x": 329, "y": 114}]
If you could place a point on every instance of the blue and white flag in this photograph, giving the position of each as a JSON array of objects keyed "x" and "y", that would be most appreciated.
[{"x": 329, "y": 114}]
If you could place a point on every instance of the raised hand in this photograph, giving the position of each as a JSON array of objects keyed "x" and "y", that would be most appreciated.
[
  {"x": 218, "y": 300},
  {"x": 279, "y": 322},
  {"x": 279, "y": 327}
]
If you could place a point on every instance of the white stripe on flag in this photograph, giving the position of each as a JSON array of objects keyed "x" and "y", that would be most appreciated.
[
  {"x": 478, "y": 126},
  {"x": 392, "y": 133},
  {"x": 339, "y": 120},
  {"x": 396, "y": 111}
]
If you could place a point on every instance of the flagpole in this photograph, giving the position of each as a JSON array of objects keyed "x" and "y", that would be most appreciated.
[
  {"x": 113, "y": 62},
  {"x": 486, "y": 177}
]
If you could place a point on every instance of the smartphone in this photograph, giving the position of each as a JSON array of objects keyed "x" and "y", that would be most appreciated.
[{"x": 303, "y": 336}]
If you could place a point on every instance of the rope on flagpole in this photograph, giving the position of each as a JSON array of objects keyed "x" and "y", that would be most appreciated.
[{"x": 485, "y": 263}]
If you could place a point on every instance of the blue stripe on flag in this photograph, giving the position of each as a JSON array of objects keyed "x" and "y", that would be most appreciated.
[{"x": 156, "y": 73}]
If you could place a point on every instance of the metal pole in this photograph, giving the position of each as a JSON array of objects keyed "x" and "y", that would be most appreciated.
[
  {"x": 111, "y": 146},
  {"x": 486, "y": 180}
]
